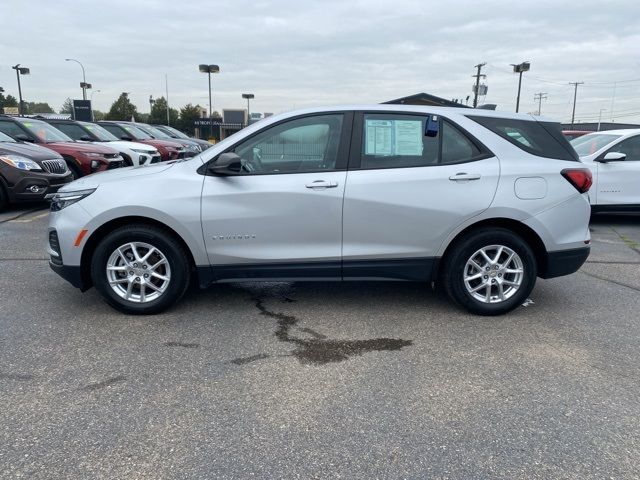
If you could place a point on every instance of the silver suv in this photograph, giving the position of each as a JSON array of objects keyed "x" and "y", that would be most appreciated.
[{"x": 479, "y": 202}]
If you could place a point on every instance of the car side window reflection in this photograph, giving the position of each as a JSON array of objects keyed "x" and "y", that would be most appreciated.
[
  {"x": 307, "y": 144},
  {"x": 630, "y": 147}
]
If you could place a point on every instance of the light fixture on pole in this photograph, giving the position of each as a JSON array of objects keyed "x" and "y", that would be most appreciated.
[
  {"x": 520, "y": 68},
  {"x": 151, "y": 102},
  {"x": 83, "y": 85},
  {"x": 20, "y": 71},
  {"x": 209, "y": 69},
  {"x": 248, "y": 96}
]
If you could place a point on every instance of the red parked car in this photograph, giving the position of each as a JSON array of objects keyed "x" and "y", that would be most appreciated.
[
  {"x": 571, "y": 134},
  {"x": 81, "y": 158},
  {"x": 169, "y": 150}
]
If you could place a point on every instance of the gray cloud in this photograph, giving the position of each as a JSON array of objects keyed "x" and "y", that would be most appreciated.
[{"x": 301, "y": 53}]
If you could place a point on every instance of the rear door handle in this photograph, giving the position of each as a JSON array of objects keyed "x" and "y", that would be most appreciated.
[
  {"x": 458, "y": 177},
  {"x": 321, "y": 184}
]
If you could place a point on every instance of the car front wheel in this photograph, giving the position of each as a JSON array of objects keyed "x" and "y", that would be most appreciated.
[
  {"x": 140, "y": 269},
  {"x": 490, "y": 272}
]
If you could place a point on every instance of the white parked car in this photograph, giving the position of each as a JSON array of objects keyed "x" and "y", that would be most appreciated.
[
  {"x": 614, "y": 159},
  {"x": 133, "y": 153},
  {"x": 480, "y": 202}
]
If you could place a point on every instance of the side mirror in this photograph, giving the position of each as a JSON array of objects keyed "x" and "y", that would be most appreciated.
[
  {"x": 612, "y": 157},
  {"x": 21, "y": 137},
  {"x": 126, "y": 137},
  {"x": 86, "y": 138},
  {"x": 226, "y": 164}
]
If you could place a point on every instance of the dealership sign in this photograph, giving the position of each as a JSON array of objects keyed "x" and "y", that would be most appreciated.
[
  {"x": 11, "y": 110},
  {"x": 82, "y": 110}
]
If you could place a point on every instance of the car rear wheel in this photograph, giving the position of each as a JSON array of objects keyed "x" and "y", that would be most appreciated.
[
  {"x": 140, "y": 269},
  {"x": 490, "y": 272}
]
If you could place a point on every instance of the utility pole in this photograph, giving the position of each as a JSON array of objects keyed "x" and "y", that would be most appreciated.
[
  {"x": 539, "y": 97},
  {"x": 575, "y": 95},
  {"x": 477, "y": 76},
  {"x": 166, "y": 86}
]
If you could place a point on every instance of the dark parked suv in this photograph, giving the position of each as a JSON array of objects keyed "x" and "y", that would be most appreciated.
[
  {"x": 82, "y": 159},
  {"x": 29, "y": 172}
]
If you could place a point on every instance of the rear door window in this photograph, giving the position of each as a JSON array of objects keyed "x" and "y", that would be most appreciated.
[
  {"x": 395, "y": 140},
  {"x": 543, "y": 139}
]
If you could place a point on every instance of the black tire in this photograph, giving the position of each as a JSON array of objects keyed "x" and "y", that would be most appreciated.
[
  {"x": 75, "y": 171},
  {"x": 162, "y": 240},
  {"x": 455, "y": 263}
]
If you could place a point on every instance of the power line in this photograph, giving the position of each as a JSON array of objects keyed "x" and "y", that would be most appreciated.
[
  {"x": 539, "y": 97},
  {"x": 477, "y": 86}
]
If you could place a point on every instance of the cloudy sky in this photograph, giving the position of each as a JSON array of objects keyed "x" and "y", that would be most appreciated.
[{"x": 296, "y": 53}]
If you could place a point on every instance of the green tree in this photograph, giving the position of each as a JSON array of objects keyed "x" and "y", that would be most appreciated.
[
  {"x": 98, "y": 115},
  {"x": 188, "y": 114},
  {"x": 8, "y": 101},
  {"x": 158, "y": 114},
  {"x": 67, "y": 106},
  {"x": 37, "y": 107},
  {"x": 122, "y": 109}
]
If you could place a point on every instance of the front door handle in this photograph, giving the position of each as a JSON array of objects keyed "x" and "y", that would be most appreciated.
[
  {"x": 459, "y": 177},
  {"x": 321, "y": 184}
]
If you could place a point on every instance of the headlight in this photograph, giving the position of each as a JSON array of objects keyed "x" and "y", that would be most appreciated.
[
  {"x": 62, "y": 200},
  {"x": 193, "y": 148},
  {"x": 18, "y": 161},
  {"x": 94, "y": 154}
]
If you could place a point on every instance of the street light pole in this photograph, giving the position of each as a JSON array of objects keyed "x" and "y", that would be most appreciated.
[
  {"x": 84, "y": 85},
  {"x": 520, "y": 68},
  {"x": 209, "y": 69},
  {"x": 93, "y": 117},
  {"x": 600, "y": 117},
  {"x": 20, "y": 71},
  {"x": 575, "y": 95},
  {"x": 248, "y": 96}
]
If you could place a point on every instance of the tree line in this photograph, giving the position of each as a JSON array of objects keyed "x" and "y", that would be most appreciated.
[{"x": 121, "y": 109}]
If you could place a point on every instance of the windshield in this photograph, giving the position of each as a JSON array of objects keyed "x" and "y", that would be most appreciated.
[
  {"x": 137, "y": 133},
  {"x": 6, "y": 138},
  {"x": 176, "y": 132},
  {"x": 99, "y": 132},
  {"x": 588, "y": 144},
  {"x": 45, "y": 132},
  {"x": 157, "y": 133}
]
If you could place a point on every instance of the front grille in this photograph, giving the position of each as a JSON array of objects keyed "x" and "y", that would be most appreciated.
[
  {"x": 55, "y": 166},
  {"x": 155, "y": 159},
  {"x": 116, "y": 164},
  {"x": 54, "y": 245}
]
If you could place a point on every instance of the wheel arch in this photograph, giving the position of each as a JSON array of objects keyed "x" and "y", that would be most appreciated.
[
  {"x": 93, "y": 240},
  {"x": 524, "y": 231}
]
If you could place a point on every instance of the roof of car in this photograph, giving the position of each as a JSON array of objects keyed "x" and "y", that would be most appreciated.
[{"x": 621, "y": 131}]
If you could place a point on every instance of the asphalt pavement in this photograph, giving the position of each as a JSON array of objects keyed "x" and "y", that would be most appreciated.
[{"x": 320, "y": 380}]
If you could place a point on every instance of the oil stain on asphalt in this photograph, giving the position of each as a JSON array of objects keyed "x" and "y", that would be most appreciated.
[{"x": 319, "y": 349}]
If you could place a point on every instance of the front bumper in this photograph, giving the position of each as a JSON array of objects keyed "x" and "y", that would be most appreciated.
[
  {"x": 33, "y": 187},
  {"x": 71, "y": 274},
  {"x": 564, "y": 262}
]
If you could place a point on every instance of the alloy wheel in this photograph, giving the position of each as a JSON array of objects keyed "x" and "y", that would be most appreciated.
[{"x": 493, "y": 274}]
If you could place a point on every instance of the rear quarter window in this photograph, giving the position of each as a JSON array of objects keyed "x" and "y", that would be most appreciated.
[{"x": 543, "y": 139}]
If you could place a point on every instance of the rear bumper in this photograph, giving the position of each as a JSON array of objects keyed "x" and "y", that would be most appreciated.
[{"x": 565, "y": 262}]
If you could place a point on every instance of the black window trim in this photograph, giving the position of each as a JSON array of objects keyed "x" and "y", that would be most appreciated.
[
  {"x": 355, "y": 156},
  {"x": 342, "y": 159}
]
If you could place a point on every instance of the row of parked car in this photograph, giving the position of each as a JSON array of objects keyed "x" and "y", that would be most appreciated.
[{"x": 38, "y": 156}]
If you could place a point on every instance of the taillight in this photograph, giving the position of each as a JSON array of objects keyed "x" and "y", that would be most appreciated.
[{"x": 579, "y": 177}]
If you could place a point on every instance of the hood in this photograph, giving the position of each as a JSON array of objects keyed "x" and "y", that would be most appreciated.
[
  {"x": 115, "y": 175},
  {"x": 203, "y": 143},
  {"x": 81, "y": 147},
  {"x": 162, "y": 143},
  {"x": 29, "y": 150},
  {"x": 118, "y": 144}
]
